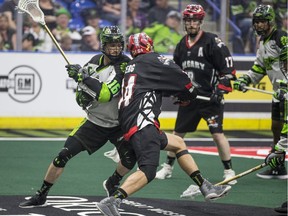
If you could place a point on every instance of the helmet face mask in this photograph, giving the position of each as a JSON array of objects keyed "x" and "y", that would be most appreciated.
[
  {"x": 112, "y": 42},
  {"x": 139, "y": 43},
  {"x": 263, "y": 19}
]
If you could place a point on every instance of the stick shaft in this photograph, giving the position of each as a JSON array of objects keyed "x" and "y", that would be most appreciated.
[
  {"x": 242, "y": 174},
  {"x": 203, "y": 98},
  {"x": 56, "y": 44},
  {"x": 258, "y": 90}
]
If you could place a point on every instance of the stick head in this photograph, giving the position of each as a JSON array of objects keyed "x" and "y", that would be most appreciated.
[{"x": 32, "y": 8}]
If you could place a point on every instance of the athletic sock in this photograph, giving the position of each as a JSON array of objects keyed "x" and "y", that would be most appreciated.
[
  {"x": 170, "y": 160},
  {"x": 227, "y": 164},
  {"x": 45, "y": 188},
  {"x": 120, "y": 193},
  {"x": 115, "y": 178},
  {"x": 197, "y": 178}
]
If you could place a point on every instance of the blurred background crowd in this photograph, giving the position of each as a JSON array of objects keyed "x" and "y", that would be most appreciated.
[{"x": 76, "y": 24}]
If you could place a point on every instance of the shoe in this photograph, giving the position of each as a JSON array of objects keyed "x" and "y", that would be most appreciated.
[
  {"x": 229, "y": 173},
  {"x": 37, "y": 200},
  {"x": 109, "y": 187},
  {"x": 213, "y": 192},
  {"x": 191, "y": 192},
  {"x": 165, "y": 172},
  {"x": 277, "y": 173},
  {"x": 113, "y": 154},
  {"x": 282, "y": 208},
  {"x": 109, "y": 206}
]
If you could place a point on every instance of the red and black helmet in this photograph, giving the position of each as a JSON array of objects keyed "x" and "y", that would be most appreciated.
[
  {"x": 139, "y": 43},
  {"x": 193, "y": 11}
]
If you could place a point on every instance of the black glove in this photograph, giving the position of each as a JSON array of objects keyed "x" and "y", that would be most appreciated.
[
  {"x": 216, "y": 97},
  {"x": 76, "y": 72},
  {"x": 224, "y": 84},
  {"x": 275, "y": 159}
]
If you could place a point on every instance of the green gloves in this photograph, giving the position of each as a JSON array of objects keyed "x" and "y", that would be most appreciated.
[
  {"x": 275, "y": 159},
  {"x": 83, "y": 99},
  {"x": 241, "y": 82},
  {"x": 76, "y": 72}
]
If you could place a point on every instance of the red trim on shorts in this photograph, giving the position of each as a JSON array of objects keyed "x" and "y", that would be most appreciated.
[{"x": 130, "y": 133}]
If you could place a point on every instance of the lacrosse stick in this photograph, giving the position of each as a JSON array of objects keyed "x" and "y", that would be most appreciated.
[
  {"x": 32, "y": 8},
  {"x": 194, "y": 190},
  {"x": 258, "y": 90}
]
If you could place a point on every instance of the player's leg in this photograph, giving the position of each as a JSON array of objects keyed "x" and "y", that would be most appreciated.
[
  {"x": 177, "y": 145},
  {"x": 55, "y": 169},
  {"x": 126, "y": 163},
  {"x": 87, "y": 136},
  {"x": 213, "y": 115},
  {"x": 146, "y": 145},
  {"x": 276, "y": 126},
  {"x": 186, "y": 121}
]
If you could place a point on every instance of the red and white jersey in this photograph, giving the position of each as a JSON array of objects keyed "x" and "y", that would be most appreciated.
[{"x": 147, "y": 78}]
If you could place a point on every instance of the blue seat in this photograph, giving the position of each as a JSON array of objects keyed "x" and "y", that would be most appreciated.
[
  {"x": 76, "y": 23},
  {"x": 103, "y": 23}
]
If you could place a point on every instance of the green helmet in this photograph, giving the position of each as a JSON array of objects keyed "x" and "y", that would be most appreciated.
[
  {"x": 264, "y": 12},
  {"x": 283, "y": 59},
  {"x": 111, "y": 34}
]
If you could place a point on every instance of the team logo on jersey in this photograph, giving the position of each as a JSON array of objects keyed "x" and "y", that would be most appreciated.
[
  {"x": 219, "y": 42},
  {"x": 23, "y": 84},
  {"x": 164, "y": 60}
]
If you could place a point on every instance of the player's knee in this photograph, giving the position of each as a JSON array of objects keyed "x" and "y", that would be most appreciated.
[
  {"x": 128, "y": 161},
  {"x": 63, "y": 157},
  {"x": 181, "y": 153},
  {"x": 149, "y": 171}
]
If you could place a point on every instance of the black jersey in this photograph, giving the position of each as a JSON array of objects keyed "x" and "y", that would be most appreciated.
[
  {"x": 206, "y": 60},
  {"x": 147, "y": 78}
]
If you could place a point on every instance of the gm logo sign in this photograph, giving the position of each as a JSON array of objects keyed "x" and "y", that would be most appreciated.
[{"x": 23, "y": 84}]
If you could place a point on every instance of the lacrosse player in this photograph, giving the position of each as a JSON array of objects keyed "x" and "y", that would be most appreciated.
[
  {"x": 209, "y": 64},
  {"x": 267, "y": 63},
  {"x": 277, "y": 157},
  {"x": 101, "y": 77},
  {"x": 148, "y": 77}
]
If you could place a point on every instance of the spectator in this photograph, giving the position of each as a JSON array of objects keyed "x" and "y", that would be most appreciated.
[
  {"x": 49, "y": 9},
  {"x": 2, "y": 48},
  {"x": 45, "y": 43},
  {"x": 280, "y": 7},
  {"x": 29, "y": 42},
  {"x": 130, "y": 26},
  {"x": 92, "y": 18},
  {"x": 242, "y": 14},
  {"x": 111, "y": 11},
  {"x": 159, "y": 12},
  {"x": 138, "y": 16},
  {"x": 7, "y": 33},
  {"x": 66, "y": 43},
  {"x": 8, "y": 8},
  {"x": 90, "y": 41},
  {"x": 63, "y": 17},
  {"x": 166, "y": 36}
]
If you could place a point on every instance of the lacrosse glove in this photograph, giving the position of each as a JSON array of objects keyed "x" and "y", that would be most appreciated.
[
  {"x": 241, "y": 82},
  {"x": 275, "y": 159},
  {"x": 76, "y": 72},
  {"x": 216, "y": 97},
  {"x": 83, "y": 99},
  {"x": 280, "y": 94}
]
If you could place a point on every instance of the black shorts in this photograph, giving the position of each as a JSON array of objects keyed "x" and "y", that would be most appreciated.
[
  {"x": 93, "y": 137},
  {"x": 276, "y": 115},
  {"x": 147, "y": 144},
  {"x": 188, "y": 117}
]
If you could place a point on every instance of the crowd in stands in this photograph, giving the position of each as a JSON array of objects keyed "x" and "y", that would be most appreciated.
[{"x": 76, "y": 24}]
